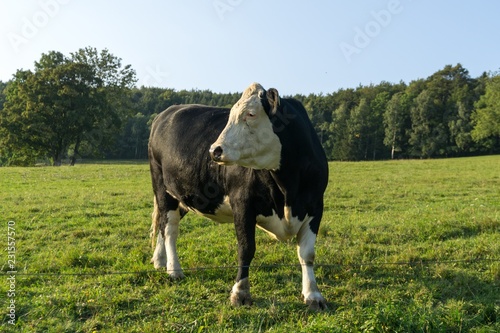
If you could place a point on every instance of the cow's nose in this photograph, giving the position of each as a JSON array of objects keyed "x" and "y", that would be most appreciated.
[{"x": 216, "y": 153}]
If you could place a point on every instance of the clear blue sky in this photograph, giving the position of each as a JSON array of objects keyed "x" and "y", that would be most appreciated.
[{"x": 294, "y": 46}]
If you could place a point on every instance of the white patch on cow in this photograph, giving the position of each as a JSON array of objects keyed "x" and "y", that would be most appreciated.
[
  {"x": 281, "y": 228},
  {"x": 165, "y": 254},
  {"x": 159, "y": 255},
  {"x": 223, "y": 213},
  {"x": 171, "y": 233},
  {"x": 288, "y": 213},
  {"x": 159, "y": 259},
  {"x": 248, "y": 138},
  {"x": 305, "y": 250}
]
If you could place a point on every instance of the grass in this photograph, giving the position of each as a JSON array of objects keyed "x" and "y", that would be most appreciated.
[{"x": 404, "y": 246}]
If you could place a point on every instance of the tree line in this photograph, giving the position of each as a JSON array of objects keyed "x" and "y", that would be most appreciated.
[
  {"x": 86, "y": 105},
  {"x": 448, "y": 114}
]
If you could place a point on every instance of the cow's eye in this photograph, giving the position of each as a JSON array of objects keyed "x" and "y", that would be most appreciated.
[{"x": 251, "y": 114}]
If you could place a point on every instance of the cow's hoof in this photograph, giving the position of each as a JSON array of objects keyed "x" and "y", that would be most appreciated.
[
  {"x": 176, "y": 274},
  {"x": 240, "y": 294},
  {"x": 241, "y": 299},
  {"x": 316, "y": 303},
  {"x": 159, "y": 263}
]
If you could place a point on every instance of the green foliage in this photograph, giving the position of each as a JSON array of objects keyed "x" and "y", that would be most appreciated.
[
  {"x": 3, "y": 85},
  {"x": 487, "y": 114},
  {"x": 87, "y": 229},
  {"x": 396, "y": 118},
  {"x": 147, "y": 102},
  {"x": 66, "y": 102},
  {"x": 427, "y": 118},
  {"x": 445, "y": 115},
  {"x": 428, "y": 133},
  {"x": 341, "y": 146}
]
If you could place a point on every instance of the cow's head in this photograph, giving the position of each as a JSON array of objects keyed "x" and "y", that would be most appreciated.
[{"x": 248, "y": 138}]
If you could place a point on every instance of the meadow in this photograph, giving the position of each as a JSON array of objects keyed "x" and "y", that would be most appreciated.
[{"x": 404, "y": 246}]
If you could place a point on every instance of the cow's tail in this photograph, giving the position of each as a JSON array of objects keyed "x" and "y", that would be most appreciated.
[{"x": 155, "y": 225}]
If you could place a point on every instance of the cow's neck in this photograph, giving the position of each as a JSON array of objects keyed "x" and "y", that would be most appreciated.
[
  {"x": 287, "y": 177},
  {"x": 296, "y": 152}
]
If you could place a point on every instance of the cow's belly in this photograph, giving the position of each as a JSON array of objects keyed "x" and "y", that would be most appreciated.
[
  {"x": 223, "y": 213},
  {"x": 278, "y": 228},
  {"x": 281, "y": 228}
]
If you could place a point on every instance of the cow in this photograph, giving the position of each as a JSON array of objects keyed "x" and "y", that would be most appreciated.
[{"x": 258, "y": 164}]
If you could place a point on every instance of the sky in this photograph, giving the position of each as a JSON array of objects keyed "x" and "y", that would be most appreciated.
[{"x": 295, "y": 46}]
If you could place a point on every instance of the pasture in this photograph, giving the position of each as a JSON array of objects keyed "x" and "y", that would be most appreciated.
[{"x": 404, "y": 246}]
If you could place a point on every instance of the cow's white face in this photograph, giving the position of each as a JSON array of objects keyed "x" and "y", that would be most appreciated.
[{"x": 248, "y": 138}]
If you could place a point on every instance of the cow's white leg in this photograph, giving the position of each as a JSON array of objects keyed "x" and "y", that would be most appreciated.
[
  {"x": 159, "y": 259},
  {"x": 159, "y": 255},
  {"x": 306, "y": 240},
  {"x": 171, "y": 233},
  {"x": 165, "y": 253}
]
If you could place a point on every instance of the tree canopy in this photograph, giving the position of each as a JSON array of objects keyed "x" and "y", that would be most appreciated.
[
  {"x": 63, "y": 104},
  {"x": 86, "y": 105},
  {"x": 486, "y": 118}
]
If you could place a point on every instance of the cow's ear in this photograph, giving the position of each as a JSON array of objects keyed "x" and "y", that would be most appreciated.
[{"x": 273, "y": 99}]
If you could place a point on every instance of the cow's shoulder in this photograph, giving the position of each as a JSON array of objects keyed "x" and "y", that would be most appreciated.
[
  {"x": 191, "y": 114},
  {"x": 188, "y": 127}
]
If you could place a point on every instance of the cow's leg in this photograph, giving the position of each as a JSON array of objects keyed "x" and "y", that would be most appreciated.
[
  {"x": 174, "y": 269},
  {"x": 166, "y": 216},
  {"x": 159, "y": 259},
  {"x": 165, "y": 254},
  {"x": 245, "y": 233},
  {"x": 306, "y": 240}
]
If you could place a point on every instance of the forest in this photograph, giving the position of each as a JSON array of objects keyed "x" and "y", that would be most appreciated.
[{"x": 86, "y": 106}]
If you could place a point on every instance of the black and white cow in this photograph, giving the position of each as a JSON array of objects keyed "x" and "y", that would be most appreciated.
[{"x": 258, "y": 164}]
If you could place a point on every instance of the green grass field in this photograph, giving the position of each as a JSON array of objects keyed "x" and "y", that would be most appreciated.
[{"x": 404, "y": 246}]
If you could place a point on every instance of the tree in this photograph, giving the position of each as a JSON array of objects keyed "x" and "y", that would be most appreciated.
[
  {"x": 60, "y": 105},
  {"x": 117, "y": 82},
  {"x": 46, "y": 109},
  {"x": 133, "y": 143},
  {"x": 486, "y": 117},
  {"x": 453, "y": 92},
  {"x": 340, "y": 134},
  {"x": 460, "y": 127},
  {"x": 359, "y": 130},
  {"x": 3, "y": 85},
  {"x": 396, "y": 117},
  {"x": 378, "y": 106},
  {"x": 428, "y": 134}
]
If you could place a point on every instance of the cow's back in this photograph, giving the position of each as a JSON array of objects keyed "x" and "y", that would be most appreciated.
[{"x": 185, "y": 131}]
